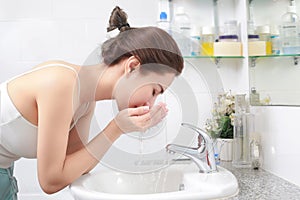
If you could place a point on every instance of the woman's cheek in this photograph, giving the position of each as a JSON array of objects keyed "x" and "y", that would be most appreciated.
[{"x": 138, "y": 100}]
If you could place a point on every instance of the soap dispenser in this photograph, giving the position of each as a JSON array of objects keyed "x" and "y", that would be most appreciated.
[
  {"x": 255, "y": 153},
  {"x": 254, "y": 97}
]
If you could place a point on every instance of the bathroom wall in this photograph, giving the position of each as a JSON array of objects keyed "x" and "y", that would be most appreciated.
[
  {"x": 33, "y": 31},
  {"x": 279, "y": 130}
]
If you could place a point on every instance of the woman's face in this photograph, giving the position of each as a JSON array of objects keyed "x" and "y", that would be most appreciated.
[{"x": 135, "y": 89}]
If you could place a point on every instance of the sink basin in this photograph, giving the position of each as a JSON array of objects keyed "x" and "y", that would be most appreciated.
[{"x": 176, "y": 182}]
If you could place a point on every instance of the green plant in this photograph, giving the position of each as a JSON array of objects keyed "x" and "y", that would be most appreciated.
[{"x": 221, "y": 123}]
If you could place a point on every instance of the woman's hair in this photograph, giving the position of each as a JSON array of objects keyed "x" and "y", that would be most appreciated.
[{"x": 153, "y": 47}]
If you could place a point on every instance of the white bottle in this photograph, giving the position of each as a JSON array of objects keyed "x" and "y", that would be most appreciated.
[
  {"x": 195, "y": 41},
  {"x": 182, "y": 30},
  {"x": 290, "y": 31},
  {"x": 163, "y": 22}
]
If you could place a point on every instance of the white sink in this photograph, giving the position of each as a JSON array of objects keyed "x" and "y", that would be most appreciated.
[{"x": 176, "y": 182}]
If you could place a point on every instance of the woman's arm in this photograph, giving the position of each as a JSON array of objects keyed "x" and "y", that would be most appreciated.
[{"x": 56, "y": 169}]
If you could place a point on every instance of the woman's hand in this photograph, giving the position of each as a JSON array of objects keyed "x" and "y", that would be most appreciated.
[{"x": 140, "y": 118}]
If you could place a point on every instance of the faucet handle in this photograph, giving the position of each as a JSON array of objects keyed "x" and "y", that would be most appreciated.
[{"x": 198, "y": 130}]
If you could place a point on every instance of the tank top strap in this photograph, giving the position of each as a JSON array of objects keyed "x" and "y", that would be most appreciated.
[
  {"x": 42, "y": 67},
  {"x": 46, "y": 66}
]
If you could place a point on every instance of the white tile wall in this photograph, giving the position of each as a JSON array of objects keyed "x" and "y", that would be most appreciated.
[
  {"x": 279, "y": 130},
  {"x": 33, "y": 31}
]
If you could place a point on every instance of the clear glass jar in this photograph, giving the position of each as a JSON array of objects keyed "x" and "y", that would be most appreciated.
[
  {"x": 240, "y": 103},
  {"x": 230, "y": 27},
  {"x": 243, "y": 127}
]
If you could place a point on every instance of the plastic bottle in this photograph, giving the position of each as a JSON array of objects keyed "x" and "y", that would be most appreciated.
[
  {"x": 255, "y": 150},
  {"x": 163, "y": 22},
  {"x": 290, "y": 31},
  {"x": 264, "y": 35},
  {"x": 195, "y": 41},
  {"x": 255, "y": 153},
  {"x": 254, "y": 97},
  {"x": 207, "y": 41},
  {"x": 182, "y": 31},
  {"x": 275, "y": 40}
]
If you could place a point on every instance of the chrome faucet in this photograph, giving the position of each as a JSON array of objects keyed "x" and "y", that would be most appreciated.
[{"x": 203, "y": 155}]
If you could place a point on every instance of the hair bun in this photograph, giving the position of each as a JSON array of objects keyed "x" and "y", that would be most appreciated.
[{"x": 118, "y": 19}]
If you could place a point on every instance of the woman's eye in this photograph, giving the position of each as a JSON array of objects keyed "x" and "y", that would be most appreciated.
[{"x": 153, "y": 93}]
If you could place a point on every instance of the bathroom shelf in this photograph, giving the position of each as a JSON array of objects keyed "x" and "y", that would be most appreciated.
[
  {"x": 295, "y": 57},
  {"x": 274, "y": 56},
  {"x": 215, "y": 58}
]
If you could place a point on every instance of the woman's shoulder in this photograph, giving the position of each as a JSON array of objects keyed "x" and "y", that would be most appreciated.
[
  {"x": 55, "y": 76},
  {"x": 58, "y": 63}
]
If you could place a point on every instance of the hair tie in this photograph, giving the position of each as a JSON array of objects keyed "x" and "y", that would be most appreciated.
[{"x": 123, "y": 25}]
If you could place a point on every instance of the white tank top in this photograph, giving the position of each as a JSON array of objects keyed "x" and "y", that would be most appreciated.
[{"x": 18, "y": 137}]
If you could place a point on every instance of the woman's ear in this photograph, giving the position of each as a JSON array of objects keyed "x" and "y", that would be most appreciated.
[{"x": 131, "y": 64}]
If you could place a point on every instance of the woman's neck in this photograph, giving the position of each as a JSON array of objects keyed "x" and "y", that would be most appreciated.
[{"x": 107, "y": 79}]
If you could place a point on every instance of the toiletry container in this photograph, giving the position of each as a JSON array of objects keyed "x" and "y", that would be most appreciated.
[
  {"x": 195, "y": 41},
  {"x": 290, "y": 31},
  {"x": 255, "y": 152},
  {"x": 207, "y": 41},
  {"x": 228, "y": 44},
  {"x": 275, "y": 40},
  {"x": 231, "y": 28},
  {"x": 264, "y": 35},
  {"x": 243, "y": 127},
  {"x": 255, "y": 46},
  {"x": 254, "y": 97},
  {"x": 163, "y": 22},
  {"x": 251, "y": 27},
  {"x": 181, "y": 31}
]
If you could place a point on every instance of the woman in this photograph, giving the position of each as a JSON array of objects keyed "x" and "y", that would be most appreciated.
[{"x": 46, "y": 112}]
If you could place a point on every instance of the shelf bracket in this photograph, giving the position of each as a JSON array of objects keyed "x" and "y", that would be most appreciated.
[
  {"x": 217, "y": 62},
  {"x": 253, "y": 61},
  {"x": 296, "y": 61}
]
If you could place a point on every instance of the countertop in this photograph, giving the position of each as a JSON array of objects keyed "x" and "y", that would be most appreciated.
[{"x": 262, "y": 185}]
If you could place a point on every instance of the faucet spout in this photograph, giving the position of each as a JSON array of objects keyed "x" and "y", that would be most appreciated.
[
  {"x": 191, "y": 153},
  {"x": 203, "y": 155}
]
